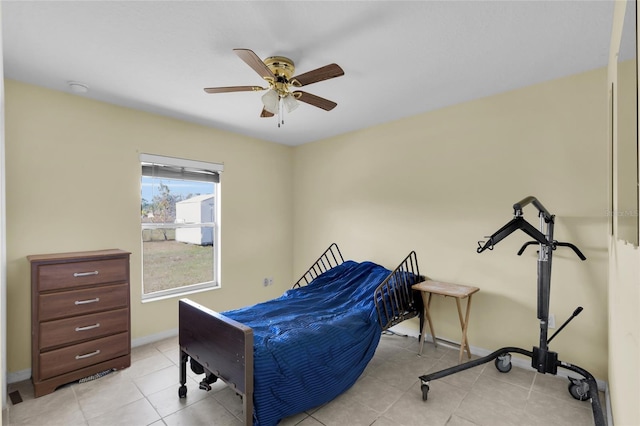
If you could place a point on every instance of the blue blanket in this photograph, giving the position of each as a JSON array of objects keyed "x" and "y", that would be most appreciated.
[{"x": 312, "y": 343}]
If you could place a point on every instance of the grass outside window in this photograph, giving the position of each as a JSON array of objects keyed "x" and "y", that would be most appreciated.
[{"x": 169, "y": 264}]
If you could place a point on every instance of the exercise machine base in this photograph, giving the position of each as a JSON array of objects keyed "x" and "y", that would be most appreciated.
[{"x": 580, "y": 389}]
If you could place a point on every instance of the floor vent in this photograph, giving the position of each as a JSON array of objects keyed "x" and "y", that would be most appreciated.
[
  {"x": 15, "y": 397},
  {"x": 95, "y": 376}
]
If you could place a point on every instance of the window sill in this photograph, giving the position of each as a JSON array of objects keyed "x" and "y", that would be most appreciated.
[{"x": 170, "y": 294}]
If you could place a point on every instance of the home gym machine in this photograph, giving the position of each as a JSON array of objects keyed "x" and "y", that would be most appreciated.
[{"x": 542, "y": 359}]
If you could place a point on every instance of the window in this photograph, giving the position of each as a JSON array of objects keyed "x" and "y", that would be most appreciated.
[{"x": 179, "y": 216}]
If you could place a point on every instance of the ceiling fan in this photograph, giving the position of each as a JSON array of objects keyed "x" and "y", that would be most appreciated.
[{"x": 278, "y": 73}]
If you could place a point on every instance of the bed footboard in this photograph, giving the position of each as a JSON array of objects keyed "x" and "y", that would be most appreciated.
[
  {"x": 395, "y": 300},
  {"x": 222, "y": 346}
]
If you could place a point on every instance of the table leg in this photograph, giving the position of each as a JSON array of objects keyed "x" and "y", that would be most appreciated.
[
  {"x": 464, "y": 344},
  {"x": 466, "y": 325},
  {"x": 426, "y": 301},
  {"x": 433, "y": 331}
]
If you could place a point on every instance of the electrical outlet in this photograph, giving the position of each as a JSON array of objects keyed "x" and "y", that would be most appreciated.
[
  {"x": 552, "y": 321},
  {"x": 267, "y": 281}
]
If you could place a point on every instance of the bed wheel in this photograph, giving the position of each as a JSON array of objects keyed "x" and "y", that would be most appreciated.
[
  {"x": 425, "y": 391},
  {"x": 182, "y": 391},
  {"x": 503, "y": 363},
  {"x": 205, "y": 384},
  {"x": 579, "y": 389}
]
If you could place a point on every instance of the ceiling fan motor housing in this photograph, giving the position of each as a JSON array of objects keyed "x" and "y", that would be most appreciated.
[
  {"x": 280, "y": 66},
  {"x": 283, "y": 69}
]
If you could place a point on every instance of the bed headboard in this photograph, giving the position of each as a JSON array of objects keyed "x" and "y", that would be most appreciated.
[
  {"x": 395, "y": 300},
  {"x": 329, "y": 259}
]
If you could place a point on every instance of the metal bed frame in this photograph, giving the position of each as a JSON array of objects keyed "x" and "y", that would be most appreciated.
[
  {"x": 331, "y": 258},
  {"x": 222, "y": 348},
  {"x": 542, "y": 359}
]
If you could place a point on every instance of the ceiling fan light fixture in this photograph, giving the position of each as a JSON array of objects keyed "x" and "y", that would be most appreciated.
[
  {"x": 271, "y": 100},
  {"x": 290, "y": 102}
]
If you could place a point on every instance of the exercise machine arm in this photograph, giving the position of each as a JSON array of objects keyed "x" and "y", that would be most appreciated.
[
  {"x": 575, "y": 249},
  {"x": 516, "y": 223},
  {"x": 517, "y": 208}
]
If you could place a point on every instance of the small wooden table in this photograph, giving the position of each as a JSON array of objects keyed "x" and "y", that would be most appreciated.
[{"x": 427, "y": 289}]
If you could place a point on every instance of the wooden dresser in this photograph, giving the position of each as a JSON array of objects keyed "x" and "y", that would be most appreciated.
[{"x": 80, "y": 316}]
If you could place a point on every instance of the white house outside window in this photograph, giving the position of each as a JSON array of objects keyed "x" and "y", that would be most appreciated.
[{"x": 180, "y": 223}]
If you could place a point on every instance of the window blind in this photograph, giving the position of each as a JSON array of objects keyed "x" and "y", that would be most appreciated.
[{"x": 180, "y": 168}]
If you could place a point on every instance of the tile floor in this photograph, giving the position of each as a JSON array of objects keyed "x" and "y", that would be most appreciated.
[{"x": 387, "y": 394}]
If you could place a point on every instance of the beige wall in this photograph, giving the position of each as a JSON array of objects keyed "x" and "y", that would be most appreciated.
[
  {"x": 439, "y": 182},
  {"x": 624, "y": 257},
  {"x": 626, "y": 206},
  {"x": 73, "y": 176},
  {"x": 624, "y": 333},
  {"x": 435, "y": 183},
  {"x": 3, "y": 276}
]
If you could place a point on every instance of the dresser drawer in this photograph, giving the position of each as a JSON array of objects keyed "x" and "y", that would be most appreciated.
[
  {"x": 74, "y": 274},
  {"x": 76, "y": 329},
  {"x": 80, "y": 302},
  {"x": 70, "y": 358}
]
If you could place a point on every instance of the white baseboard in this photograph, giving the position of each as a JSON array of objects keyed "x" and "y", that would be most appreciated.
[
  {"x": 518, "y": 362},
  {"x": 152, "y": 338},
  {"x": 19, "y": 376}
]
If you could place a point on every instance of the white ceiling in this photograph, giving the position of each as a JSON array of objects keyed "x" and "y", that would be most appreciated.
[{"x": 400, "y": 58}]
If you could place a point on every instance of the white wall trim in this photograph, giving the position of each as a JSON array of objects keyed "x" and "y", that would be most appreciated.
[
  {"x": 399, "y": 329},
  {"x": 152, "y": 338},
  {"x": 516, "y": 361},
  {"x": 3, "y": 239},
  {"x": 19, "y": 376}
]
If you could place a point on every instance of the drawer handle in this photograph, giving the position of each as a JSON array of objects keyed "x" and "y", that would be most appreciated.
[
  {"x": 84, "y": 302},
  {"x": 84, "y": 274},
  {"x": 90, "y": 354},
  {"x": 88, "y": 327}
]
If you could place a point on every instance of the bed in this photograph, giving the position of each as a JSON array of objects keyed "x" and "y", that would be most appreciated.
[{"x": 302, "y": 349}]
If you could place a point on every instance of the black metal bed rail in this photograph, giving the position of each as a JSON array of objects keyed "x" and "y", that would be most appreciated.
[
  {"x": 395, "y": 300},
  {"x": 331, "y": 258}
]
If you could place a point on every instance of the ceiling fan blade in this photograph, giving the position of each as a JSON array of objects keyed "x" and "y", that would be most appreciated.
[
  {"x": 314, "y": 100},
  {"x": 233, "y": 89},
  {"x": 319, "y": 74},
  {"x": 266, "y": 113},
  {"x": 254, "y": 62}
]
